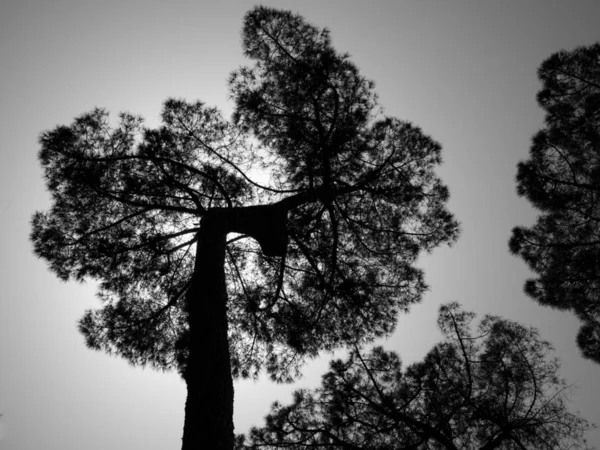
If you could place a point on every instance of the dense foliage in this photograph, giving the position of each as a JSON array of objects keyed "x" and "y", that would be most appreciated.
[
  {"x": 127, "y": 204},
  {"x": 561, "y": 178},
  {"x": 495, "y": 387}
]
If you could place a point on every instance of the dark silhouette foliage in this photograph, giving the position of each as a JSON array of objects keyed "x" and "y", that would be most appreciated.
[
  {"x": 224, "y": 248},
  {"x": 495, "y": 387},
  {"x": 561, "y": 178}
]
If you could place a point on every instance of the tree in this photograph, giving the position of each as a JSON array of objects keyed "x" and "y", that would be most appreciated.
[
  {"x": 497, "y": 388},
  {"x": 561, "y": 178},
  {"x": 223, "y": 248}
]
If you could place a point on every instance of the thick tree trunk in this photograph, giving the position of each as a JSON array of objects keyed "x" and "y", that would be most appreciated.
[{"x": 209, "y": 406}]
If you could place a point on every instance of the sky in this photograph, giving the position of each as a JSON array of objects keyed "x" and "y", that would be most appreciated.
[{"x": 464, "y": 71}]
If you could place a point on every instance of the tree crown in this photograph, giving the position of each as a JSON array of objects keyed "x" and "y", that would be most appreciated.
[
  {"x": 562, "y": 179},
  {"x": 494, "y": 386},
  {"x": 349, "y": 200}
]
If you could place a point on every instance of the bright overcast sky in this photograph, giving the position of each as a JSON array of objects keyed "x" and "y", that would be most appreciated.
[{"x": 464, "y": 71}]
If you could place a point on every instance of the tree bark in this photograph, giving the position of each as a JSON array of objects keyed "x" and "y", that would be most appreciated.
[{"x": 209, "y": 405}]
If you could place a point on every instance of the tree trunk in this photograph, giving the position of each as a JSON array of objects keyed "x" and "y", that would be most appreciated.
[
  {"x": 208, "y": 421},
  {"x": 209, "y": 406}
]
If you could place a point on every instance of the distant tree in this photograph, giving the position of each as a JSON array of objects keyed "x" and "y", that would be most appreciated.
[
  {"x": 226, "y": 248},
  {"x": 561, "y": 178},
  {"x": 497, "y": 388}
]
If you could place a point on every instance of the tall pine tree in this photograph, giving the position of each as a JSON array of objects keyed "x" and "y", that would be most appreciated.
[{"x": 223, "y": 248}]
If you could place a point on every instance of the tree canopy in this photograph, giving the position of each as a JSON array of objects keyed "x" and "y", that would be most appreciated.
[
  {"x": 561, "y": 178},
  {"x": 291, "y": 228},
  {"x": 493, "y": 387}
]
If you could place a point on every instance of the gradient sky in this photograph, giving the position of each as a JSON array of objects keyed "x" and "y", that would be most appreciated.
[{"x": 464, "y": 71}]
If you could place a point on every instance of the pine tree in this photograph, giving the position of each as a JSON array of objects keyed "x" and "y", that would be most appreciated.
[
  {"x": 495, "y": 387},
  {"x": 561, "y": 178},
  {"x": 226, "y": 248}
]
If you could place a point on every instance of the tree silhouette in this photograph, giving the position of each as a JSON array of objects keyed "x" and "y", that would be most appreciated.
[
  {"x": 496, "y": 388},
  {"x": 223, "y": 248},
  {"x": 562, "y": 179}
]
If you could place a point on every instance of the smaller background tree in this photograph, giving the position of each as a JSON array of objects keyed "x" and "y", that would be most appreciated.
[
  {"x": 497, "y": 387},
  {"x": 562, "y": 179}
]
